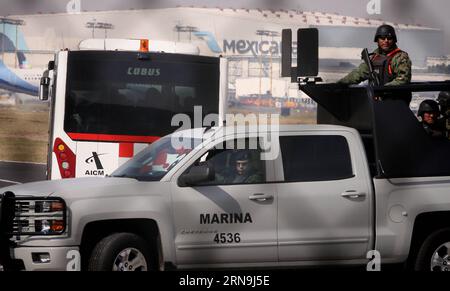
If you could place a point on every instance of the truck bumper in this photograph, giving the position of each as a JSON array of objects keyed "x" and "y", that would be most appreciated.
[{"x": 48, "y": 258}]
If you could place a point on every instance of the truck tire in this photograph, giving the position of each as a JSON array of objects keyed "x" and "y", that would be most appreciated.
[
  {"x": 121, "y": 252},
  {"x": 434, "y": 254}
]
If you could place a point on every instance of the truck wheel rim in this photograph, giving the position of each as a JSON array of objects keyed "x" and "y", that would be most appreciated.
[
  {"x": 130, "y": 259},
  {"x": 440, "y": 261}
]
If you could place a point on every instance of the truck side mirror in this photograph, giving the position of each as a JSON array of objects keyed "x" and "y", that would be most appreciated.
[
  {"x": 44, "y": 87},
  {"x": 197, "y": 174}
]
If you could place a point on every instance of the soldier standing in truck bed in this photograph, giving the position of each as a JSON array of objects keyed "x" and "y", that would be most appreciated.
[{"x": 391, "y": 64}]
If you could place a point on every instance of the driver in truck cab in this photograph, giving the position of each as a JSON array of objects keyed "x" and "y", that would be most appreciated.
[{"x": 244, "y": 172}]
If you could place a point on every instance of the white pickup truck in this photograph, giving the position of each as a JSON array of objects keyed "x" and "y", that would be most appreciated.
[
  {"x": 311, "y": 201},
  {"x": 367, "y": 180}
]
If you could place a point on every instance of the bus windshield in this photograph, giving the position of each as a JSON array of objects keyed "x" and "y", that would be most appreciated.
[
  {"x": 152, "y": 163},
  {"x": 123, "y": 93}
]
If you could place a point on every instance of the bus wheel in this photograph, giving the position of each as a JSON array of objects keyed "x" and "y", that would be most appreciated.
[{"x": 121, "y": 252}]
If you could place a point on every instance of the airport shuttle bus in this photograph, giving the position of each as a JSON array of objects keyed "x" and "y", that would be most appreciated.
[{"x": 112, "y": 98}]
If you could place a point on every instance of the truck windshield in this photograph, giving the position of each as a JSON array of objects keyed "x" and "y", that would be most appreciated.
[
  {"x": 152, "y": 163},
  {"x": 119, "y": 93}
]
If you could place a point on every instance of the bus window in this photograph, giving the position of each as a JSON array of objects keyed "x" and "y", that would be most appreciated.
[{"x": 115, "y": 93}]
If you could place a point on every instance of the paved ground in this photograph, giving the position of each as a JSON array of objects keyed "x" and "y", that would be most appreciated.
[{"x": 18, "y": 172}]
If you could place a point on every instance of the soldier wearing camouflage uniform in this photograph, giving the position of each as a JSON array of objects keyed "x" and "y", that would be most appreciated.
[
  {"x": 243, "y": 173},
  {"x": 392, "y": 65},
  {"x": 431, "y": 121}
]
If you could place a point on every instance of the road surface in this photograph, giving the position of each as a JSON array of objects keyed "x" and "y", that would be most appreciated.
[{"x": 12, "y": 173}]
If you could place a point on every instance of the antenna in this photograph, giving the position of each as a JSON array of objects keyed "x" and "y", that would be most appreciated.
[
  {"x": 101, "y": 25},
  {"x": 185, "y": 28}
]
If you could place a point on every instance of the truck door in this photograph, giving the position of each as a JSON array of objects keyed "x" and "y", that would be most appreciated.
[
  {"x": 231, "y": 219},
  {"x": 324, "y": 198}
]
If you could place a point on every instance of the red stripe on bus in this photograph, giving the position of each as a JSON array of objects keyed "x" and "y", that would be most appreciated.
[
  {"x": 126, "y": 150},
  {"x": 112, "y": 137}
]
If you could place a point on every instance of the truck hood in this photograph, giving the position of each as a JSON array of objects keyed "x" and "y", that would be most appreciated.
[{"x": 82, "y": 188}]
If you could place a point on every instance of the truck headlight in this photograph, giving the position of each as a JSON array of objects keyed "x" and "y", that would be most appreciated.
[
  {"x": 48, "y": 206},
  {"x": 39, "y": 216},
  {"x": 47, "y": 226}
]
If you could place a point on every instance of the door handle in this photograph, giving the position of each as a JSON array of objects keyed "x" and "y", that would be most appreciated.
[
  {"x": 353, "y": 194},
  {"x": 260, "y": 197}
]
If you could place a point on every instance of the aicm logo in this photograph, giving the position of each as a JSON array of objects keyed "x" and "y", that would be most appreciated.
[{"x": 95, "y": 160}]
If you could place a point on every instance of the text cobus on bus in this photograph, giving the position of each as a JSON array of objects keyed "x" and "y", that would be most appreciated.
[{"x": 114, "y": 96}]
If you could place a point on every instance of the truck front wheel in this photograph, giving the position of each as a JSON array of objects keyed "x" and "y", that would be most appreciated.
[
  {"x": 121, "y": 252},
  {"x": 434, "y": 254}
]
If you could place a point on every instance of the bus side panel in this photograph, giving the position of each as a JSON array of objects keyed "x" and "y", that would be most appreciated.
[{"x": 58, "y": 116}]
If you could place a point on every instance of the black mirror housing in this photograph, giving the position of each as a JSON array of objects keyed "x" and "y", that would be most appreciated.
[
  {"x": 196, "y": 174},
  {"x": 44, "y": 86}
]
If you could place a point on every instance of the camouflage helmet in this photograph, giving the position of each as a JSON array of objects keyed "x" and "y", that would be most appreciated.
[
  {"x": 385, "y": 30},
  {"x": 427, "y": 106}
]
